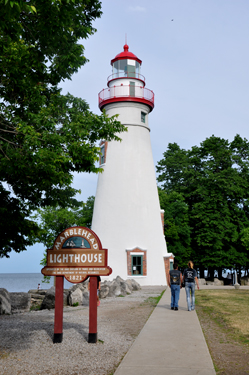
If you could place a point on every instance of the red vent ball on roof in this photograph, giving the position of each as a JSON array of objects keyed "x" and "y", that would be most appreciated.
[{"x": 126, "y": 55}]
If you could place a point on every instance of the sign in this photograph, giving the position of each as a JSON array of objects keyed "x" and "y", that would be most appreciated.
[{"x": 77, "y": 253}]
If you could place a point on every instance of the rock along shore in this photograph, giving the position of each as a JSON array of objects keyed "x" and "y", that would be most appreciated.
[{"x": 11, "y": 303}]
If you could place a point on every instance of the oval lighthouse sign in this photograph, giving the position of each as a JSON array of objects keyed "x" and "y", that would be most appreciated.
[{"x": 77, "y": 253}]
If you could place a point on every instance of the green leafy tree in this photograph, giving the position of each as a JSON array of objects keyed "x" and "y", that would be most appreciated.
[
  {"x": 44, "y": 136},
  {"x": 176, "y": 225},
  {"x": 214, "y": 181},
  {"x": 54, "y": 220}
]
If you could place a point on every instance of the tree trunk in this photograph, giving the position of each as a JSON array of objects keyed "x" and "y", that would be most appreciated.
[
  {"x": 211, "y": 273},
  {"x": 201, "y": 269},
  {"x": 220, "y": 273},
  {"x": 239, "y": 274}
]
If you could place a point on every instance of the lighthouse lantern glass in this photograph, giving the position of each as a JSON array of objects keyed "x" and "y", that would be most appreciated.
[{"x": 126, "y": 68}]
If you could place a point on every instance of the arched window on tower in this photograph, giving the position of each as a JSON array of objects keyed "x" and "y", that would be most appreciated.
[
  {"x": 143, "y": 117},
  {"x": 103, "y": 151}
]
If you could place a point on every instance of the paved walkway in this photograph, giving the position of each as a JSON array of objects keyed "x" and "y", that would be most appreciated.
[{"x": 171, "y": 342}]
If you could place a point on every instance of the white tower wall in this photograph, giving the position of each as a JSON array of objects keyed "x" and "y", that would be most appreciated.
[{"x": 126, "y": 210}]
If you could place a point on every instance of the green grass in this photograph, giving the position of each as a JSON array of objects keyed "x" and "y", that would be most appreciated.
[
  {"x": 229, "y": 309},
  {"x": 153, "y": 301},
  {"x": 35, "y": 307}
]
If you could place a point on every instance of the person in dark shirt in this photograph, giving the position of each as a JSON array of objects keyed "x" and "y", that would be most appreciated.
[
  {"x": 190, "y": 278},
  {"x": 175, "y": 283}
]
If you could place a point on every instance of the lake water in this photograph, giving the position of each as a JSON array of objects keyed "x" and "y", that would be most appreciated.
[{"x": 23, "y": 282}]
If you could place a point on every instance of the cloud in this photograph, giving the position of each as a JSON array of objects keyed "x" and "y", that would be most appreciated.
[{"x": 137, "y": 9}]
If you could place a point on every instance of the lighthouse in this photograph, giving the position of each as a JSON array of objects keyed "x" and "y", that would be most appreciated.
[{"x": 127, "y": 215}]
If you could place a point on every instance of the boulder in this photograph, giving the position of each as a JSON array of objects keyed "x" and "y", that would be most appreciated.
[
  {"x": 20, "y": 302},
  {"x": 40, "y": 292},
  {"x": 125, "y": 288},
  {"x": 75, "y": 296},
  {"x": 118, "y": 280},
  {"x": 49, "y": 299},
  {"x": 218, "y": 282},
  {"x": 5, "y": 304},
  {"x": 78, "y": 293},
  {"x": 114, "y": 290},
  {"x": 244, "y": 280},
  {"x": 209, "y": 282},
  {"x": 82, "y": 286},
  {"x": 118, "y": 287},
  {"x": 36, "y": 296},
  {"x": 85, "y": 300},
  {"x": 202, "y": 282},
  {"x": 104, "y": 291},
  {"x": 133, "y": 284}
]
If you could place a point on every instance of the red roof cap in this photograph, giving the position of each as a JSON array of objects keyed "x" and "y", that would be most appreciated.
[{"x": 126, "y": 55}]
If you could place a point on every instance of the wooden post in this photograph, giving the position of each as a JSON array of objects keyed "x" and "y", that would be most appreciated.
[
  {"x": 58, "y": 311},
  {"x": 92, "y": 336}
]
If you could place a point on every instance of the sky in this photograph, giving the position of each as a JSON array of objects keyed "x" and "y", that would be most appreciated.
[{"x": 195, "y": 57}]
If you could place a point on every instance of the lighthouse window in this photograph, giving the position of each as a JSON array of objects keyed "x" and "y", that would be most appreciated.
[
  {"x": 143, "y": 117},
  {"x": 131, "y": 67},
  {"x": 122, "y": 68},
  {"x": 137, "y": 264},
  {"x": 102, "y": 154},
  {"x": 137, "y": 69},
  {"x": 132, "y": 88},
  {"x": 126, "y": 68}
]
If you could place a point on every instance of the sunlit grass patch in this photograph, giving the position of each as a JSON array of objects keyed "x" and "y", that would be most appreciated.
[
  {"x": 154, "y": 300},
  {"x": 229, "y": 308}
]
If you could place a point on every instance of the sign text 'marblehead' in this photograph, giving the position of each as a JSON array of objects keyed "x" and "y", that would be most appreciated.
[{"x": 77, "y": 231}]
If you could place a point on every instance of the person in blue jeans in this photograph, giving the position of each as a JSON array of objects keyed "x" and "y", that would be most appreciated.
[
  {"x": 175, "y": 283},
  {"x": 190, "y": 278}
]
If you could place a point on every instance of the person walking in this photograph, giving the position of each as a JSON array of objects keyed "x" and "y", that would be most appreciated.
[
  {"x": 189, "y": 278},
  {"x": 175, "y": 283}
]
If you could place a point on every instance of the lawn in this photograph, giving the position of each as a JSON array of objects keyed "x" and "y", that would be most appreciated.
[
  {"x": 227, "y": 307},
  {"x": 223, "y": 315}
]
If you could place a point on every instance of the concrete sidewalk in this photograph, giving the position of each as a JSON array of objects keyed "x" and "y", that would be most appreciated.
[{"x": 171, "y": 342}]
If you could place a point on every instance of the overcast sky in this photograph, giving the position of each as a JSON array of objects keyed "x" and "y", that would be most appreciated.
[{"x": 195, "y": 58}]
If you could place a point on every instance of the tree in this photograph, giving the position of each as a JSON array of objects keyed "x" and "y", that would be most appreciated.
[
  {"x": 53, "y": 220},
  {"x": 176, "y": 226},
  {"x": 44, "y": 136},
  {"x": 214, "y": 181}
]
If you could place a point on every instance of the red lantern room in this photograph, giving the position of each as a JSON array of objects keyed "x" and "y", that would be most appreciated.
[{"x": 126, "y": 83}]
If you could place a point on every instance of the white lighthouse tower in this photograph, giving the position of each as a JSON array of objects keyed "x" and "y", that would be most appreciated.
[{"x": 127, "y": 215}]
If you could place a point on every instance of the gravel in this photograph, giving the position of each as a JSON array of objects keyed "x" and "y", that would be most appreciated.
[{"x": 26, "y": 339}]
